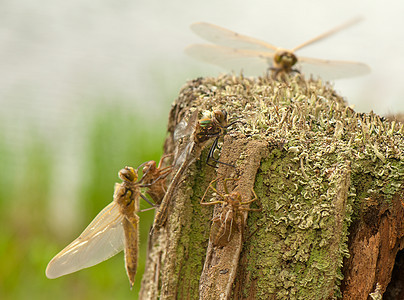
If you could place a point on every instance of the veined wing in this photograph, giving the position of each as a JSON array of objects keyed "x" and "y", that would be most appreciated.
[
  {"x": 328, "y": 33},
  {"x": 257, "y": 62},
  {"x": 331, "y": 69},
  {"x": 182, "y": 130},
  {"x": 186, "y": 128},
  {"x": 102, "y": 239},
  {"x": 251, "y": 62},
  {"x": 224, "y": 37}
]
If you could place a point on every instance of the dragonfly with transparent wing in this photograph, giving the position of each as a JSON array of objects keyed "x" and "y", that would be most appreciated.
[
  {"x": 212, "y": 125},
  {"x": 195, "y": 135},
  {"x": 235, "y": 51},
  {"x": 114, "y": 229}
]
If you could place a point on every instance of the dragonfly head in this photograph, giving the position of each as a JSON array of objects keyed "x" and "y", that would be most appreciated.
[
  {"x": 220, "y": 117},
  {"x": 128, "y": 174},
  {"x": 285, "y": 60}
]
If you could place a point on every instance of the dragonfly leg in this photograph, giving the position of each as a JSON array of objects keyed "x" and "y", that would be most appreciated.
[{"x": 211, "y": 157}]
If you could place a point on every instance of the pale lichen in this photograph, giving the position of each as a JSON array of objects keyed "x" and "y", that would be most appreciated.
[{"x": 325, "y": 162}]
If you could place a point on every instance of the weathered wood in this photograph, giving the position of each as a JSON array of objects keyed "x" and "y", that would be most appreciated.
[
  {"x": 329, "y": 182},
  {"x": 221, "y": 263}
]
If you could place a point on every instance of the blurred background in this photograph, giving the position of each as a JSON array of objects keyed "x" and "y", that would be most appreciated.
[{"x": 85, "y": 89}]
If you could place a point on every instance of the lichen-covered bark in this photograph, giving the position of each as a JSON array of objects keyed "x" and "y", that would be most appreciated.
[{"x": 329, "y": 182}]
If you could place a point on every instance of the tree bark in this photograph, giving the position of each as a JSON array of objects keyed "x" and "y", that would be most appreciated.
[{"x": 329, "y": 183}]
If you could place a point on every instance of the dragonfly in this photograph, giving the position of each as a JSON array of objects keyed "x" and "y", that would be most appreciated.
[
  {"x": 211, "y": 125},
  {"x": 114, "y": 229},
  {"x": 197, "y": 133},
  {"x": 230, "y": 219},
  {"x": 232, "y": 51}
]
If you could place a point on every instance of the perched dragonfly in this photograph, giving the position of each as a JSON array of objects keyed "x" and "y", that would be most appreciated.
[
  {"x": 211, "y": 125},
  {"x": 235, "y": 51},
  {"x": 197, "y": 133},
  {"x": 155, "y": 176},
  {"x": 114, "y": 229},
  {"x": 230, "y": 219}
]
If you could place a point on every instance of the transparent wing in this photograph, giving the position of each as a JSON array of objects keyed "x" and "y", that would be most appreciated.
[
  {"x": 328, "y": 33},
  {"x": 102, "y": 239},
  {"x": 251, "y": 62},
  {"x": 257, "y": 62},
  {"x": 331, "y": 69},
  {"x": 224, "y": 37},
  {"x": 186, "y": 128},
  {"x": 183, "y": 155},
  {"x": 182, "y": 130}
]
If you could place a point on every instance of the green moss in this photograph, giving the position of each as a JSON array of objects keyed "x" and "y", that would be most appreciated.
[
  {"x": 316, "y": 144},
  {"x": 196, "y": 221}
]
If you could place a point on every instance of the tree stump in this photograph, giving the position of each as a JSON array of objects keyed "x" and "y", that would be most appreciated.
[{"x": 329, "y": 183}]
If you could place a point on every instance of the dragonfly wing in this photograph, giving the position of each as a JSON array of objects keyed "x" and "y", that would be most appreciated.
[
  {"x": 182, "y": 130},
  {"x": 332, "y": 69},
  {"x": 186, "y": 128},
  {"x": 224, "y": 37},
  {"x": 249, "y": 61},
  {"x": 183, "y": 154},
  {"x": 102, "y": 239}
]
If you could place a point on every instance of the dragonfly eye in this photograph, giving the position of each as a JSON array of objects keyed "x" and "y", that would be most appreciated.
[
  {"x": 205, "y": 122},
  {"x": 278, "y": 58},
  {"x": 220, "y": 117}
]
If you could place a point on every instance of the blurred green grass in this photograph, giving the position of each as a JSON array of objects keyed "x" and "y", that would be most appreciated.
[{"x": 114, "y": 136}]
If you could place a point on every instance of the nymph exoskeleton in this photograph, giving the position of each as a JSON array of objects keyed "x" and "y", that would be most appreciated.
[
  {"x": 230, "y": 217},
  {"x": 155, "y": 177}
]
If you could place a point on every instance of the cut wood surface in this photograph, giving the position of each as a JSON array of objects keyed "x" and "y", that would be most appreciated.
[{"x": 329, "y": 183}]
